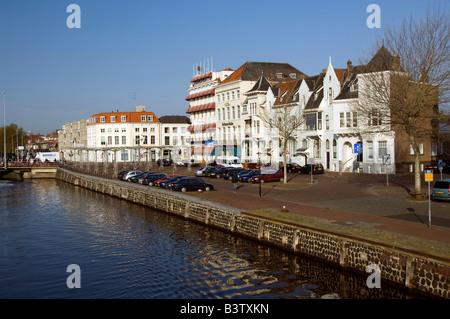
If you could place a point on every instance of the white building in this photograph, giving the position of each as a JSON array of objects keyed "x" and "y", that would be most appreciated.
[
  {"x": 202, "y": 110},
  {"x": 239, "y": 127}
]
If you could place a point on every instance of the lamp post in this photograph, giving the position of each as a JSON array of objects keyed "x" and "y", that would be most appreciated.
[{"x": 4, "y": 129}]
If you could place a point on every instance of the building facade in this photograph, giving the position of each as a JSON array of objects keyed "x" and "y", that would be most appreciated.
[
  {"x": 114, "y": 137},
  {"x": 202, "y": 111}
]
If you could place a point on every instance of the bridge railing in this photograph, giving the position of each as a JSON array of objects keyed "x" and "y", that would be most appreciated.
[{"x": 16, "y": 164}]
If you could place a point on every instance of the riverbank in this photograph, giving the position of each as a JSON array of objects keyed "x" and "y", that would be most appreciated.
[{"x": 413, "y": 270}]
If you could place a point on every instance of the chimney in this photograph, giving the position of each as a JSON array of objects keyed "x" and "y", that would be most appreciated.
[{"x": 140, "y": 108}]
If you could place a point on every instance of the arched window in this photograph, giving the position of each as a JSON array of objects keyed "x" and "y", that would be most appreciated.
[{"x": 334, "y": 149}]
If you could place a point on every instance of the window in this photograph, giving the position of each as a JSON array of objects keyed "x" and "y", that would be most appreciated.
[
  {"x": 330, "y": 95},
  {"x": 319, "y": 120},
  {"x": 238, "y": 111},
  {"x": 342, "y": 119},
  {"x": 152, "y": 139},
  {"x": 232, "y": 95},
  {"x": 137, "y": 140},
  {"x": 102, "y": 130},
  {"x": 124, "y": 140},
  {"x": 143, "y": 118},
  {"x": 102, "y": 140},
  {"x": 228, "y": 96},
  {"x": 166, "y": 130},
  {"x": 102, "y": 119},
  {"x": 136, "y": 129},
  {"x": 167, "y": 140},
  {"x": 109, "y": 140},
  {"x": 218, "y": 113},
  {"x": 334, "y": 149},
  {"x": 374, "y": 118},
  {"x": 113, "y": 119},
  {"x": 382, "y": 148},
  {"x": 348, "y": 119},
  {"x": 238, "y": 94},
  {"x": 174, "y": 130},
  {"x": 370, "y": 150},
  {"x": 228, "y": 112},
  {"x": 123, "y": 118},
  {"x": 234, "y": 113},
  {"x": 124, "y": 155},
  {"x": 116, "y": 130},
  {"x": 144, "y": 129},
  {"x": 144, "y": 139},
  {"x": 150, "y": 118},
  {"x": 124, "y": 130},
  {"x": 411, "y": 149},
  {"x": 327, "y": 122},
  {"x": 355, "y": 119},
  {"x": 116, "y": 140}
]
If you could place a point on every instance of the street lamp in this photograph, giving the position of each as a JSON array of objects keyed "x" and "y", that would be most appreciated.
[{"x": 4, "y": 129}]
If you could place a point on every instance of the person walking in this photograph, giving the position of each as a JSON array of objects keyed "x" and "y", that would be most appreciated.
[{"x": 234, "y": 180}]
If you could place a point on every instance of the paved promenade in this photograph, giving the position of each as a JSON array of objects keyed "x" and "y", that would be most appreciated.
[{"x": 367, "y": 206}]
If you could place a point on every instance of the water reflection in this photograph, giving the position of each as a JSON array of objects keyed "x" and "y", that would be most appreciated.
[{"x": 125, "y": 250}]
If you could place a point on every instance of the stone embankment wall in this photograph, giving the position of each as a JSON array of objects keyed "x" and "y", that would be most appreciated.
[{"x": 416, "y": 272}]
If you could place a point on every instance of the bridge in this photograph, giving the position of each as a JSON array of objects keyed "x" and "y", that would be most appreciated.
[{"x": 25, "y": 170}]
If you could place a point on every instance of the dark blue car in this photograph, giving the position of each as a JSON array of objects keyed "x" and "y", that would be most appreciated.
[{"x": 245, "y": 176}]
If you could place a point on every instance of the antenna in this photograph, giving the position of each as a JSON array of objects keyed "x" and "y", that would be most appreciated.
[{"x": 134, "y": 98}]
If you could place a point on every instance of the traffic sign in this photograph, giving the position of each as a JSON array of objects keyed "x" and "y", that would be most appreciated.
[
  {"x": 428, "y": 175},
  {"x": 357, "y": 148}
]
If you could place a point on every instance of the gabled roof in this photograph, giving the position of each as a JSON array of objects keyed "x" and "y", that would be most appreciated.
[
  {"x": 273, "y": 72},
  {"x": 261, "y": 86},
  {"x": 286, "y": 91},
  {"x": 317, "y": 95}
]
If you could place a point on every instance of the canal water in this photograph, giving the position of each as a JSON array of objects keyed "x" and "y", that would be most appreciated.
[{"x": 124, "y": 250}]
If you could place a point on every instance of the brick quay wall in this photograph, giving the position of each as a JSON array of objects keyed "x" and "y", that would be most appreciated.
[{"x": 424, "y": 274}]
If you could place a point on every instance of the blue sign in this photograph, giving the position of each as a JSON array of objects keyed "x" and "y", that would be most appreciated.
[
  {"x": 357, "y": 148},
  {"x": 211, "y": 142}
]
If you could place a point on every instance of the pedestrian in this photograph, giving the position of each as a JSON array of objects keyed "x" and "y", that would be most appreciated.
[{"x": 234, "y": 180}]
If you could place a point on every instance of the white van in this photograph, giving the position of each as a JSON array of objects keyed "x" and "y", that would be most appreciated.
[{"x": 229, "y": 161}]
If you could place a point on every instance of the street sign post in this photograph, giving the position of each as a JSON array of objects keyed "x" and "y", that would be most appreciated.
[{"x": 429, "y": 178}]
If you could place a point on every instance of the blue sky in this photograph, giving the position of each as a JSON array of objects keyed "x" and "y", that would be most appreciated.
[{"x": 144, "y": 51}]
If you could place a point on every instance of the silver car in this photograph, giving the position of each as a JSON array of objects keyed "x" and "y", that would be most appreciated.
[{"x": 130, "y": 174}]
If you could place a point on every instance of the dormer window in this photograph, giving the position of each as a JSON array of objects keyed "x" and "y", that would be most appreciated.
[
  {"x": 354, "y": 87},
  {"x": 279, "y": 75}
]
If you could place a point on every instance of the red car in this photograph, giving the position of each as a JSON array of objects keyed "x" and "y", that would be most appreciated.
[
  {"x": 156, "y": 183},
  {"x": 268, "y": 177}
]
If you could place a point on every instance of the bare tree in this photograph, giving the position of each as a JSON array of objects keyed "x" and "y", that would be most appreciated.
[
  {"x": 400, "y": 88},
  {"x": 284, "y": 119}
]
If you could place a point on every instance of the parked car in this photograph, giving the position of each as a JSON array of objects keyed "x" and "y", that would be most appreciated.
[
  {"x": 167, "y": 182},
  {"x": 199, "y": 172},
  {"x": 208, "y": 170},
  {"x": 217, "y": 171},
  {"x": 316, "y": 169},
  {"x": 293, "y": 167},
  {"x": 268, "y": 177},
  {"x": 135, "y": 178},
  {"x": 441, "y": 190},
  {"x": 246, "y": 176},
  {"x": 159, "y": 181},
  {"x": 253, "y": 165},
  {"x": 165, "y": 162},
  {"x": 121, "y": 174},
  {"x": 129, "y": 174},
  {"x": 228, "y": 174},
  {"x": 151, "y": 178},
  {"x": 191, "y": 184}
]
